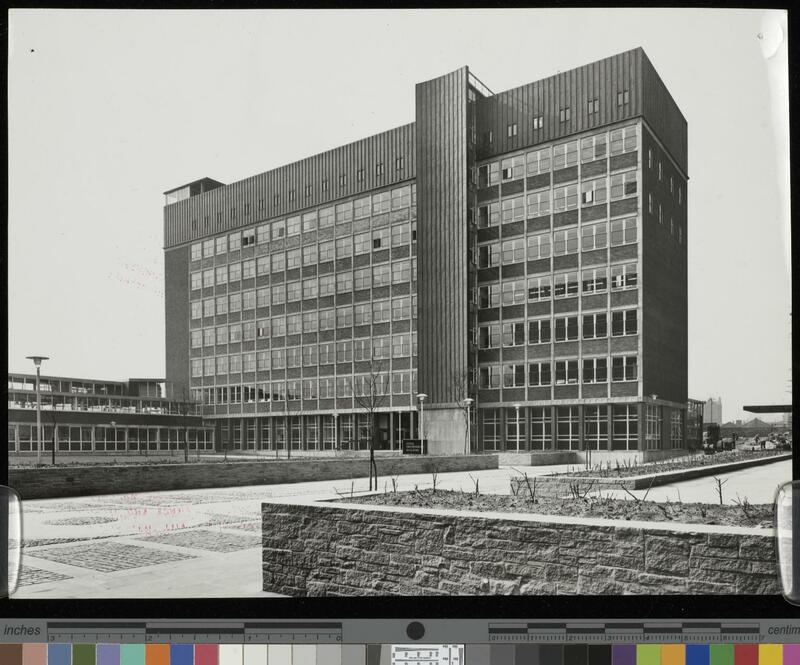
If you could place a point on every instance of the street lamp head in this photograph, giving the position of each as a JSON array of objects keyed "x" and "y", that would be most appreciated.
[
  {"x": 113, "y": 423},
  {"x": 468, "y": 400},
  {"x": 422, "y": 397},
  {"x": 518, "y": 406},
  {"x": 37, "y": 360}
]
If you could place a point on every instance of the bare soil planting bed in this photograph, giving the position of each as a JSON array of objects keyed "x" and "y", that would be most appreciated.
[
  {"x": 759, "y": 515},
  {"x": 616, "y": 470}
]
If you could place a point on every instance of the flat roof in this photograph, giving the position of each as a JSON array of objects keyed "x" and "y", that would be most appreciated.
[{"x": 769, "y": 408}]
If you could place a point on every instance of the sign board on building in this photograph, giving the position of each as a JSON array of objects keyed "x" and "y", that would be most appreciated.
[{"x": 415, "y": 447}]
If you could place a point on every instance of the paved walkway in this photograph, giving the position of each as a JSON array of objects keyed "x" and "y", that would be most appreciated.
[{"x": 206, "y": 543}]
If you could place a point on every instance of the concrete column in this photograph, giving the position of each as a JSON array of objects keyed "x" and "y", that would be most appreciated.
[
  {"x": 640, "y": 409},
  {"x": 581, "y": 442},
  {"x": 125, "y": 437},
  {"x": 242, "y": 434},
  {"x": 257, "y": 443},
  {"x": 93, "y": 437},
  {"x": 391, "y": 430},
  {"x": 553, "y": 428},
  {"x": 16, "y": 438},
  {"x": 610, "y": 418}
]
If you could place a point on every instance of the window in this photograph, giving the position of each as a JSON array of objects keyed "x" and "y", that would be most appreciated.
[
  {"x": 401, "y": 308},
  {"x": 593, "y": 192},
  {"x": 344, "y": 212},
  {"x": 344, "y": 282},
  {"x": 623, "y": 276},
  {"x": 326, "y": 251},
  {"x": 489, "y": 215},
  {"x": 401, "y": 234},
  {"x": 344, "y": 247},
  {"x": 380, "y": 239},
  {"x": 538, "y": 161},
  {"x": 593, "y": 106},
  {"x": 294, "y": 291},
  {"x": 362, "y": 207},
  {"x": 278, "y": 262},
  {"x": 362, "y": 243},
  {"x": 197, "y": 280},
  {"x": 381, "y": 275},
  {"x": 293, "y": 225},
  {"x": 249, "y": 362},
  {"x": 626, "y": 427},
  {"x": 513, "y": 292},
  {"x": 222, "y": 304},
  {"x": 539, "y": 374},
  {"x": 363, "y": 314},
  {"x": 514, "y": 376},
  {"x": 539, "y": 331},
  {"x": 538, "y": 246},
  {"x": 595, "y": 325},
  {"x": 623, "y": 97},
  {"x": 222, "y": 245},
  {"x": 208, "y": 249},
  {"x": 593, "y": 147},
  {"x": 565, "y": 198},
  {"x": 262, "y": 265},
  {"x": 566, "y": 328},
  {"x": 565, "y": 154},
  {"x": 511, "y": 130},
  {"x": 278, "y": 294},
  {"x": 539, "y": 203},
  {"x": 248, "y": 269},
  {"x": 381, "y": 202},
  {"x": 514, "y": 333},
  {"x": 197, "y": 339},
  {"x": 489, "y": 377},
  {"x": 344, "y": 316},
  {"x": 327, "y": 285},
  {"x": 680, "y": 195},
  {"x": 401, "y": 271},
  {"x": 381, "y": 311},
  {"x": 565, "y": 242},
  {"x": 208, "y": 278},
  {"x": 401, "y": 345},
  {"x": 362, "y": 349},
  {"x": 197, "y": 251},
  {"x": 489, "y": 336},
  {"x": 676, "y": 429},
  {"x": 197, "y": 367},
  {"x": 513, "y": 250},
  {"x": 489, "y": 296},
  {"x": 652, "y": 421},
  {"x": 595, "y": 427},
  {"x": 539, "y": 288},
  {"x": 209, "y": 366},
  {"x": 563, "y": 114},
  {"x": 294, "y": 324},
  {"x": 248, "y": 299},
  {"x": 513, "y": 209},
  {"x": 623, "y": 184},
  {"x": 489, "y": 174},
  {"x": 490, "y": 429},
  {"x": 650, "y": 203},
  {"x": 566, "y": 371},
  {"x": 594, "y": 280},
  {"x": 208, "y": 307},
  {"x": 293, "y": 258},
  {"x": 538, "y": 122},
  {"x": 489, "y": 255},
  {"x": 344, "y": 351},
  {"x": 235, "y": 302},
  {"x": 310, "y": 322},
  {"x": 513, "y": 167},
  {"x": 234, "y": 272},
  {"x": 310, "y": 288},
  {"x": 248, "y": 238},
  {"x": 309, "y": 255},
  {"x": 624, "y": 140},
  {"x": 235, "y": 333},
  {"x": 595, "y": 370},
  {"x": 381, "y": 349},
  {"x": 623, "y": 231},
  {"x": 401, "y": 197},
  {"x": 234, "y": 242},
  {"x": 197, "y": 309},
  {"x": 565, "y": 285},
  {"x": 624, "y": 368},
  {"x": 262, "y": 328},
  {"x": 623, "y": 322},
  {"x": 363, "y": 278},
  {"x": 399, "y": 163},
  {"x": 660, "y": 172}
]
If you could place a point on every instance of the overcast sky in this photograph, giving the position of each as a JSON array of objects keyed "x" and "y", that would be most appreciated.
[{"x": 108, "y": 109}]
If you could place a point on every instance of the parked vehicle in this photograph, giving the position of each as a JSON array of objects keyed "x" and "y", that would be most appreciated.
[{"x": 711, "y": 439}]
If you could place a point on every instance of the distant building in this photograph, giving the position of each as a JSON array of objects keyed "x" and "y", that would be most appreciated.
[
  {"x": 712, "y": 412},
  {"x": 92, "y": 416}
]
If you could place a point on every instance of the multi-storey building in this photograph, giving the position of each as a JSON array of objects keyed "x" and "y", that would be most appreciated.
[
  {"x": 517, "y": 258},
  {"x": 93, "y": 416}
]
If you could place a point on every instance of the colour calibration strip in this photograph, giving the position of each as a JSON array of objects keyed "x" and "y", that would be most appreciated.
[{"x": 384, "y": 654}]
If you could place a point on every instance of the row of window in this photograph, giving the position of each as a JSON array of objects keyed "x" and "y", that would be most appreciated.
[
  {"x": 661, "y": 176},
  {"x": 376, "y": 204},
  {"x": 565, "y": 197},
  {"x": 359, "y": 243},
  {"x": 366, "y": 385},
  {"x": 593, "y": 280},
  {"x": 559, "y": 372},
  {"x": 558, "y": 243},
  {"x": 562, "y": 155},
  {"x": 292, "y": 292},
  {"x": 371, "y": 348},
  {"x": 673, "y": 227},
  {"x": 361, "y": 314},
  {"x": 383, "y": 274},
  {"x": 624, "y": 434},
  {"x": 560, "y": 329}
]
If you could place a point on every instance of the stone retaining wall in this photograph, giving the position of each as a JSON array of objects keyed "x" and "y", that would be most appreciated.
[
  {"x": 321, "y": 549},
  {"x": 51, "y": 482},
  {"x": 562, "y": 485}
]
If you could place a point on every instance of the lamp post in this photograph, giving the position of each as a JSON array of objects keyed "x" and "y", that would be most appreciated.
[
  {"x": 37, "y": 360},
  {"x": 468, "y": 442},
  {"x": 516, "y": 408},
  {"x": 422, "y": 397}
]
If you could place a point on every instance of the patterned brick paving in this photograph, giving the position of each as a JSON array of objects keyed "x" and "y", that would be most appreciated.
[
  {"x": 109, "y": 557},
  {"x": 218, "y": 519},
  {"x": 248, "y": 526},
  {"x": 81, "y": 521},
  {"x": 30, "y": 576},
  {"x": 204, "y": 539}
]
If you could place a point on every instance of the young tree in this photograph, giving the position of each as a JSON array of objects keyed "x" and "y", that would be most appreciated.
[
  {"x": 462, "y": 390},
  {"x": 370, "y": 392}
]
